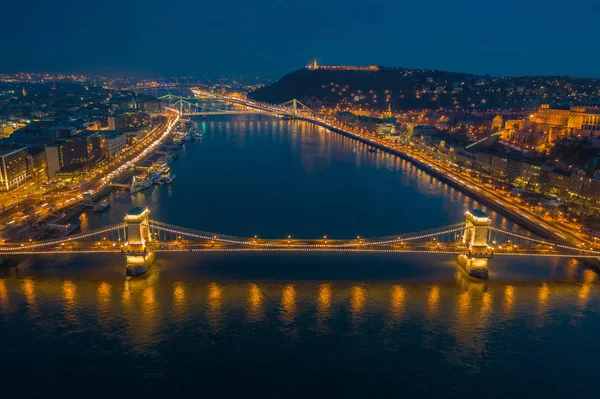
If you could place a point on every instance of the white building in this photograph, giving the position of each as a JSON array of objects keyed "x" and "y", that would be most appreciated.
[{"x": 116, "y": 141}]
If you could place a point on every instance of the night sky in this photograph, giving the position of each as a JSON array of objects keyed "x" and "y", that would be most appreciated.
[{"x": 272, "y": 37}]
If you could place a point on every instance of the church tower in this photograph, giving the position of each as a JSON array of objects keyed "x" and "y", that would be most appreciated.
[{"x": 388, "y": 113}]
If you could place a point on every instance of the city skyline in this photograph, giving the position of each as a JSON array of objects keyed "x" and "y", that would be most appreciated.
[
  {"x": 156, "y": 39},
  {"x": 326, "y": 198}
]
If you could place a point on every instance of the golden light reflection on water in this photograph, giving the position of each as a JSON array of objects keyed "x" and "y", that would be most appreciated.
[
  {"x": 68, "y": 293},
  {"x": 324, "y": 300},
  {"x": 104, "y": 291},
  {"x": 214, "y": 294},
  {"x": 543, "y": 300},
  {"x": 509, "y": 298},
  {"x": 150, "y": 305},
  {"x": 433, "y": 299},
  {"x": 464, "y": 304},
  {"x": 572, "y": 267},
  {"x": 486, "y": 303},
  {"x": 148, "y": 297},
  {"x": 584, "y": 294},
  {"x": 178, "y": 295},
  {"x": 358, "y": 297},
  {"x": 69, "y": 289},
  {"x": 254, "y": 302},
  {"x": 543, "y": 294},
  {"x": 29, "y": 291},
  {"x": 3, "y": 292},
  {"x": 144, "y": 312},
  {"x": 398, "y": 299},
  {"x": 486, "y": 308},
  {"x": 288, "y": 303},
  {"x": 104, "y": 296},
  {"x": 126, "y": 297},
  {"x": 214, "y": 305},
  {"x": 589, "y": 277}
]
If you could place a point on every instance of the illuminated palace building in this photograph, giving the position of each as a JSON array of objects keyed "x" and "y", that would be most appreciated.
[
  {"x": 578, "y": 120},
  {"x": 315, "y": 66}
]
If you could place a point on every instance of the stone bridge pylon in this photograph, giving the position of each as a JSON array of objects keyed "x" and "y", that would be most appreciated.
[
  {"x": 475, "y": 260},
  {"x": 137, "y": 256}
]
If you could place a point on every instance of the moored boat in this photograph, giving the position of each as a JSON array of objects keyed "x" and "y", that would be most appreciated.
[
  {"x": 141, "y": 183},
  {"x": 102, "y": 206},
  {"x": 62, "y": 230}
]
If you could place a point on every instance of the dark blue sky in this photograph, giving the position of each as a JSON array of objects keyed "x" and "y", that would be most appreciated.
[{"x": 272, "y": 37}]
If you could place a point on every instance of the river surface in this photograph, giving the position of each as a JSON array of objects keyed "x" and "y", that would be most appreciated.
[{"x": 296, "y": 325}]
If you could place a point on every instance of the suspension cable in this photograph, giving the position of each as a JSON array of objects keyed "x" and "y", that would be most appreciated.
[
  {"x": 544, "y": 242},
  {"x": 62, "y": 240}
]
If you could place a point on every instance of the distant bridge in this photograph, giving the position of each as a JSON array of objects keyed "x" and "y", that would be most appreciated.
[
  {"x": 204, "y": 111},
  {"x": 139, "y": 238},
  {"x": 189, "y": 106}
]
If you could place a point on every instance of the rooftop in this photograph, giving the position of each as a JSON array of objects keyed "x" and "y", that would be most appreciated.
[
  {"x": 138, "y": 210},
  {"x": 9, "y": 150},
  {"x": 111, "y": 134},
  {"x": 477, "y": 213}
]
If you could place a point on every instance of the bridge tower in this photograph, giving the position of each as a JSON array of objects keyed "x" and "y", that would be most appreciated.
[
  {"x": 476, "y": 258},
  {"x": 137, "y": 256}
]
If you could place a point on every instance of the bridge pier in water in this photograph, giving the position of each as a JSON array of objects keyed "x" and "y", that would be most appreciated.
[
  {"x": 475, "y": 260},
  {"x": 137, "y": 256}
]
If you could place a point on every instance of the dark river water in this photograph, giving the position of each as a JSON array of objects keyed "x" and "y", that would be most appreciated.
[{"x": 296, "y": 325}]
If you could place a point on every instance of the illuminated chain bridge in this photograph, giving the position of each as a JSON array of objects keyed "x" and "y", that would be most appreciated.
[{"x": 139, "y": 238}]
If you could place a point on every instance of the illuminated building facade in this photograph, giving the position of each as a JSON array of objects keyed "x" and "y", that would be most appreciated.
[
  {"x": 578, "y": 120},
  {"x": 6, "y": 130},
  {"x": 128, "y": 120},
  {"x": 523, "y": 137},
  {"x": 585, "y": 120},
  {"x": 75, "y": 153},
  {"x": 116, "y": 141},
  {"x": 551, "y": 116},
  {"x": 15, "y": 167},
  {"x": 315, "y": 66}
]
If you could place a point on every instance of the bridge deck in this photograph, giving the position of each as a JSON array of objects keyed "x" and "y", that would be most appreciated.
[
  {"x": 109, "y": 246},
  {"x": 162, "y": 237}
]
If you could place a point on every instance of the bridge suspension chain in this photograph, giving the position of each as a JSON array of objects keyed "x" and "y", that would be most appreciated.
[
  {"x": 196, "y": 234},
  {"x": 420, "y": 235},
  {"x": 249, "y": 242},
  {"x": 549, "y": 255},
  {"x": 545, "y": 242},
  {"x": 73, "y": 237}
]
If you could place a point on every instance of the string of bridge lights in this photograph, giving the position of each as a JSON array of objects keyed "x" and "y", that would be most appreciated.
[
  {"x": 249, "y": 242},
  {"x": 74, "y": 237},
  {"x": 545, "y": 242}
]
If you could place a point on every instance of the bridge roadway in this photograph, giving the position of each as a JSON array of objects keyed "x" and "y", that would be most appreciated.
[
  {"x": 274, "y": 245},
  {"x": 117, "y": 247}
]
